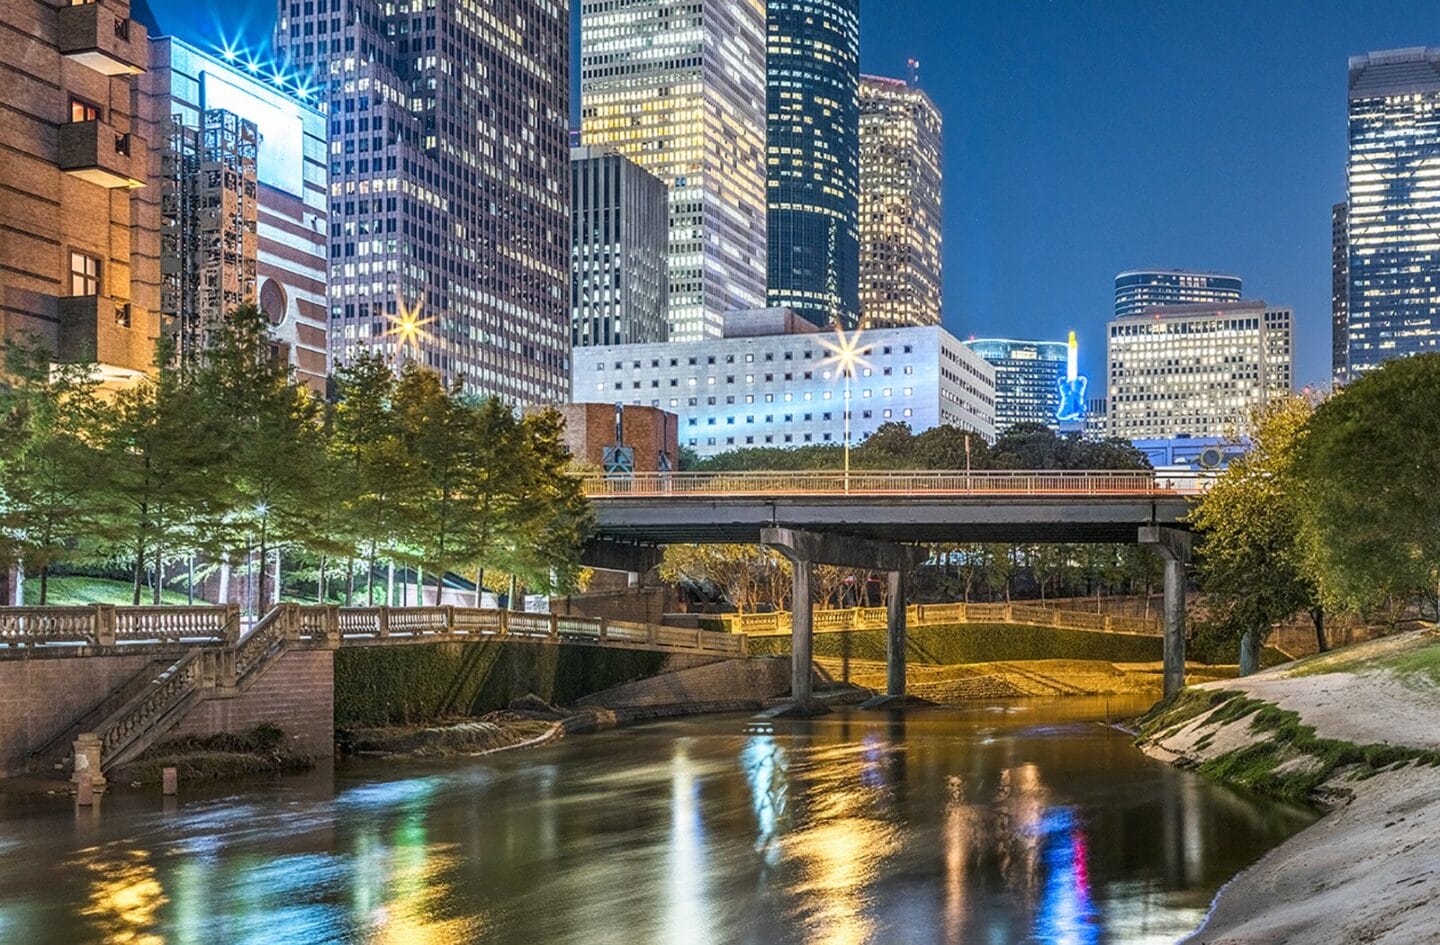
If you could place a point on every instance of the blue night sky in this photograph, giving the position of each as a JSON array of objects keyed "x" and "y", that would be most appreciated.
[{"x": 1086, "y": 138}]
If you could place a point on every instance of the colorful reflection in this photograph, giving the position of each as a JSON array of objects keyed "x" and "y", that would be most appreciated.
[
  {"x": 1067, "y": 916},
  {"x": 125, "y": 896}
]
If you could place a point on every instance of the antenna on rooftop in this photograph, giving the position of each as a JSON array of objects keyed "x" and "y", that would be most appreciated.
[{"x": 914, "y": 65}]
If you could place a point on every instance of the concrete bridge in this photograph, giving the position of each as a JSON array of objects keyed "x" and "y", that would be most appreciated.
[
  {"x": 139, "y": 674},
  {"x": 880, "y": 520}
]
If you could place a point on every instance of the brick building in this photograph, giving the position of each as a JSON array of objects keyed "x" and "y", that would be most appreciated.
[
  {"x": 652, "y": 434},
  {"x": 79, "y": 217}
]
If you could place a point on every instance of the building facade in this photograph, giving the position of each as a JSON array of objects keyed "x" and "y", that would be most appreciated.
[
  {"x": 758, "y": 389},
  {"x": 79, "y": 211},
  {"x": 1196, "y": 370},
  {"x": 242, "y": 166},
  {"x": 678, "y": 86},
  {"x": 900, "y": 209},
  {"x": 619, "y": 239},
  {"x": 449, "y": 184},
  {"x": 813, "y": 158},
  {"x": 1028, "y": 375},
  {"x": 1339, "y": 292},
  {"x": 619, "y": 439},
  {"x": 1393, "y": 200},
  {"x": 1139, "y": 290}
]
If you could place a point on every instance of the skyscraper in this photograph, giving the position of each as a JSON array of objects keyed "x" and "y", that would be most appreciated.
[
  {"x": 678, "y": 86},
  {"x": 813, "y": 158},
  {"x": 1339, "y": 292},
  {"x": 449, "y": 184},
  {"x": 620, "y": 231},
  {"x": 1138, "y": 290},
  {"x": 79, "y": 212},
  {"x": 1027, "y": 379},
  {"x": 900, "y": 222},
  {"x": 1393, "y": 228},
  {"x": 242, "y": 175},
  {"x": 1196, "y": 370}
]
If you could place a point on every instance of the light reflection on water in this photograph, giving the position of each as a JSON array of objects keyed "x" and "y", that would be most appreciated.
[{"x": 1017, "y": 824}]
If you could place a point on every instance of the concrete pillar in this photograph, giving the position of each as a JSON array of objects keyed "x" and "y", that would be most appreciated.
[
  {"x": 802, "y": 636},
  {"x": 1172, "y": 545},
  {"x": 87, "y": 761},
  {"x": 895, "y": 636},
  {"x": 1174, "y": 626}
]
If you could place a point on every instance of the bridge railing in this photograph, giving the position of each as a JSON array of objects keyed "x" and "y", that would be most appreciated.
[
  {"x": 878, "y": 483},
  {"x": 105, "y": 625},
  {"x": 919, "y": 615}
]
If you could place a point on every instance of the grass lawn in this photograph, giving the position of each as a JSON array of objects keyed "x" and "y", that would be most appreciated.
[{"x": 71, "y": 591}]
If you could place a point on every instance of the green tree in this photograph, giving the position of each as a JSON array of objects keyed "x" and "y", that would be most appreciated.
[
  {"x": 1252, "y": 564},
  {"x": 550, "y": 518},
  {"x": 1369, "y": 505},
  {"x": 53, "y": 473}
]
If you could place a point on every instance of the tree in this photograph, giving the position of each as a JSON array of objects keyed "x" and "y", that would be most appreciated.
[
  {"x": 53, "y": 473},
  {"x": 165, "y": 460},
  {"x": 747, "y": 574},
  {"x": 1369, "y": 506},
  {"x": 1252, "y": 564},
  {"x": 549, "y": 517}
]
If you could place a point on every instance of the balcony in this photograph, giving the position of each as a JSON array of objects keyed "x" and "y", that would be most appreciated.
[
  {"x": 94, "y": 151},
  {"x": 94, "y": 35},
  {"x": 110, "y": 333}
]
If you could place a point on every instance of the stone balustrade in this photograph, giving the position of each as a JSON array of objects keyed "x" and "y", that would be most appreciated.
[{"x": 919, "y": 615}]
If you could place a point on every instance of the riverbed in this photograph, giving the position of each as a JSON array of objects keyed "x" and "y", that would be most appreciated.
[{"x": 1021, "y": 822}]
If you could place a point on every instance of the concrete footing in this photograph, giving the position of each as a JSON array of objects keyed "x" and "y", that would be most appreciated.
[
  {"x": 795, "y": 710},
  {"x": 887, "y": 702}
]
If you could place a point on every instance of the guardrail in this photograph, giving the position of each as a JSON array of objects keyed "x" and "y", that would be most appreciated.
[
  {"x": 79, "y": 630},
  {"x": 988, "y": 482},
  {"x": 919, "y": 615}
]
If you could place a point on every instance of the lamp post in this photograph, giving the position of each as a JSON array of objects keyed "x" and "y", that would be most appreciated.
[{"x": 845, "y": 352}]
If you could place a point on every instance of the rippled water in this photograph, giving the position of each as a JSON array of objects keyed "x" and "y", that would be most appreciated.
[{"x": 1019, "y": 823}]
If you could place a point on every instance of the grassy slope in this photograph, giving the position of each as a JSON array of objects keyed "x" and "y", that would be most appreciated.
[{"x": 70, "y": 591}]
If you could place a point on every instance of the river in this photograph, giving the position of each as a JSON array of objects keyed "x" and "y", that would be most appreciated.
[{"x": 1025, "y": 822}]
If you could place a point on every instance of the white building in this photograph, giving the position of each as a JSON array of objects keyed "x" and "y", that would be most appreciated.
[
  {"x": 1196, "y": 370},
  {"x": 772, "y": 380}
]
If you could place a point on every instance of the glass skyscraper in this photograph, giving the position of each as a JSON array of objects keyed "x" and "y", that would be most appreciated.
[
  {"x": 900, "y": 181},
  {"x": 1139, "y": 290},
  {"x": 813, "y": 158},
  {"x": 449, "y": 184},
  {"x": 619, "y": 235},
  {"x": 678, "y": 86},
  {"x": 1393, "y": 226},
  {"x": 1027, "y": 379}
]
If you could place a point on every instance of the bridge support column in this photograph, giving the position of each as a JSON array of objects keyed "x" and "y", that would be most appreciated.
[
  {"x": 807, "y": 549},
  {"x": 1172, "y": 545},
  {"x": 895, "y": 636}
]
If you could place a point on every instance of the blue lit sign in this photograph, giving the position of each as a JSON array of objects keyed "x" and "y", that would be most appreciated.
[{"x": 1072, "y": 386}]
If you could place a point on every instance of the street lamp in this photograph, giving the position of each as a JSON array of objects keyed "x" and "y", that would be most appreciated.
[
  {"x": 845, "y": 353},
  {"x": 407, "y": 324}
]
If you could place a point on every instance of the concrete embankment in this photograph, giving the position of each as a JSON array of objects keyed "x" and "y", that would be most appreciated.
[{"x": 1355, "y": 731}]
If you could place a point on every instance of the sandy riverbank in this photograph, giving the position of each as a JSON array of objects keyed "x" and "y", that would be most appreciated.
[{"x": 1358, "y": 731}]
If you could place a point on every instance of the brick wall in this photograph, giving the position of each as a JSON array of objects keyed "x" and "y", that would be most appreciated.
[
  {"x": 635, "y": 605},
  {"x": 297, "y": 694},
  {"x": 40, "y": 698}
]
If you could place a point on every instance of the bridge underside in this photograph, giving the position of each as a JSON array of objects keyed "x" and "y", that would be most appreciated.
[{"x": 1087, "y": 519}]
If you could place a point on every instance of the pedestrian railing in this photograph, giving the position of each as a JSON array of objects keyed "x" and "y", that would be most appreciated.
[
  {"x": 957, "y": 483},
  {"x": 919, "y": 615}
]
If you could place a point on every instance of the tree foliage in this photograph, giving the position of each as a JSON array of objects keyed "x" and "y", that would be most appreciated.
[{"x": 1252, "y": 565}]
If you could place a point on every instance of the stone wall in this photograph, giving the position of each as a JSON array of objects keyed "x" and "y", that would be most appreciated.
[
  {"x": 748, "y": 680},
  {"x": 42, "y": 697},
  {"x": 297, "y": 694},
  {"x": 635, "y": 605}
]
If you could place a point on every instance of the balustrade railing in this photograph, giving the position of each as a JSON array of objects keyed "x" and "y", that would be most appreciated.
[{"x": 919, "y": 615}]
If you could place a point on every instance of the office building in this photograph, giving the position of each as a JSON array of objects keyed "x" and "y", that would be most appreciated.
[
  {"x": 678, "y": 86},
  {"x": 1393, "y": 198},
  {"x": 1139, "y": 290},
  {"x": 1196, "y": 370},
  {"x": 619, "y": 237},
  {"x": 79, "y": 213},
  {"x": 813, "y": 158},
  {"x": 900, "y": 220},
  {"x": 773, "y": 381},
  {"x": 1028, "y": 375},
  {"x": 449, "y": 184},
  {"x": 1339, "y": 292},
  {"x": 242, "y": 168}
]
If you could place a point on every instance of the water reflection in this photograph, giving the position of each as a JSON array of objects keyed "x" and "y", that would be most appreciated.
[{"x": 1019, "y": 825}]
